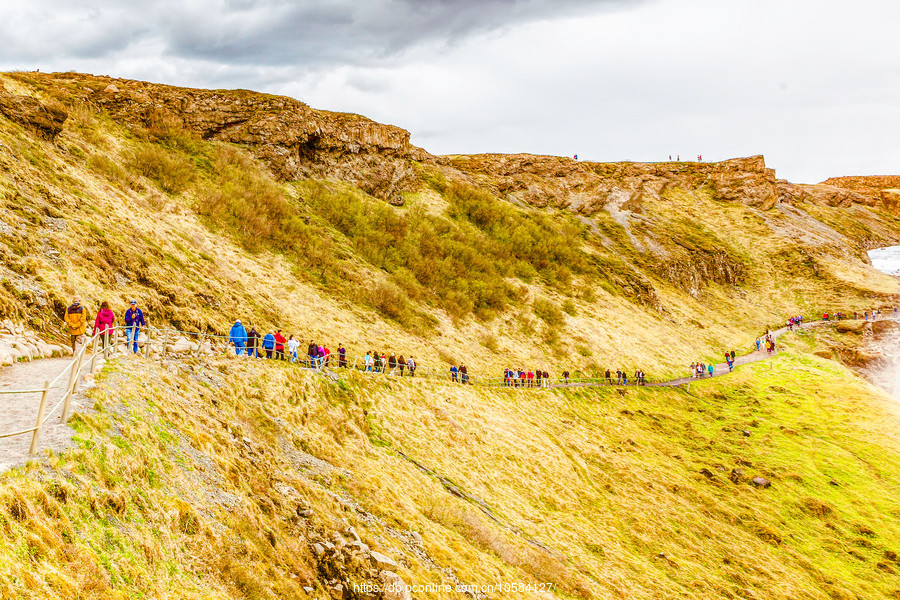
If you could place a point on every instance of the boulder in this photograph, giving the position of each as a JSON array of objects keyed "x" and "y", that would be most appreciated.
[
  {"x": 761, "y": 482},
  {"x": 393, "y": 588},
  {"x": 382, "y": 562}
]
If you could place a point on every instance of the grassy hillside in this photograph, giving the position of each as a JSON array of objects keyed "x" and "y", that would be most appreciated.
[
  {"x": 203, "y": 234},
  {"x": 228, "y": 479},
  {"x": 195, "y": 486}
]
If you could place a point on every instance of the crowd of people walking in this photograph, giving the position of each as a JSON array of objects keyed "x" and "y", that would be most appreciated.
[{"x": 274, "y": 345}]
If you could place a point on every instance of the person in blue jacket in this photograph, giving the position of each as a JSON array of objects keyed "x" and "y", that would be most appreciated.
[
  {"x": 134, "y": 320},
  {"x": 710, "y": 368},
  {"x": 268, "y": 344},
  {"x": 238, "y": 337}
]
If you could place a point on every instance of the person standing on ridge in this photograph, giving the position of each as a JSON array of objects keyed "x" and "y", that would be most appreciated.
[
  {"x": 103, "y": 324},
  {"x": 134, "y": 320},
  {"x": 76, "y": 320},
  {"x": 237, "y": 337}
]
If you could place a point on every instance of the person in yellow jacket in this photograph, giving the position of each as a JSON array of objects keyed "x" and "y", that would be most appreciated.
[{"x": 77, "y": 318}]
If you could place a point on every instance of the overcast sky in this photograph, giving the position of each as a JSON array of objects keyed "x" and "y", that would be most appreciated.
[{"x": 812, "y": 84}]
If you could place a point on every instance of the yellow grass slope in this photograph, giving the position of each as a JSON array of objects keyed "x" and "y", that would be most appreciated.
[{"x": 196, "y": 485}]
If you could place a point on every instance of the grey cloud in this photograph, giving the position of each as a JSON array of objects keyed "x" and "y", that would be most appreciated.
[{"x": 311, "y": 33}]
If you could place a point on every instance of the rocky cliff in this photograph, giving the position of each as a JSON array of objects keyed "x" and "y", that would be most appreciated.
[{"x": 296, "y": 141}]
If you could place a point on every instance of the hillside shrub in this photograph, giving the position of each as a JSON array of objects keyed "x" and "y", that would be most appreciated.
[{"x": 172, "y": 172}]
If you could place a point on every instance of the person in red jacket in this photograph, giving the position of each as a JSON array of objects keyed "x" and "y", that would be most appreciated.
[
  {"x": 104, "y": 322},
  {"x": 279, "y": 345}
]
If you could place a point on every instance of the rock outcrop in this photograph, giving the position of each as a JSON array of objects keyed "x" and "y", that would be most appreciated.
[
  {"x": 294, "y": 140},
  {"x": 18, "y": 343},
  {"x": 45, "y": 120}
]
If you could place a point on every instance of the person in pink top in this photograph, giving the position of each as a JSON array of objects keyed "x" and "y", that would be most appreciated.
[{"x": 103, "y": 324}]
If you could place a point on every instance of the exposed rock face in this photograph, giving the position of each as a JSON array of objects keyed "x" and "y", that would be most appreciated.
[
  {"x": 43, "y": 119},
  {"x": 296, "y": 141},
  {"x": 874, "y": 190},
  {"x": 589, "y": 187}
]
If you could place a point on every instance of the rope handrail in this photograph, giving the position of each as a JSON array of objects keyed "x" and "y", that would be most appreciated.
[{"x": 110, "y": 342}]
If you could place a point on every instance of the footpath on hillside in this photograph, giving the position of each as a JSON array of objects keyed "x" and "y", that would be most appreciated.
[{"x": 19, "y": 411}]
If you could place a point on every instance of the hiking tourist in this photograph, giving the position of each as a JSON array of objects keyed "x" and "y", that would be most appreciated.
[
  {"x": 103, "y": 324},
  {"x": 237, "y": 337},
  {"x": 368, "y": 362},
  {"x": 401, "y": 364},
  {"x": 279, "y": 345},
  {"x": 293, "y": 345},
  {"x": 342, "y": 357},
  {"x": 392, "y": 364},
  {"x": 538, "y": 377},
  {"x": 463, "y": 374},
  {"x": 312, "y": 353},
  {"x": 608, "y": 374},
  {"x": 710, "y": 368},
  {"x": 268, "y": 344},
  {"x": 411, "y": 363},
  {"x": 134, "y": 320},
  {"x": 530, "y": 378},
  {"x": 253, "y": 343},
  {"x": 76, "y": 320},
  {"x": 618, "y": 376},
  {"x": 624, "y": 377},
  {"x": 453, "y": 372},
  {"x": 547, "y": 379}
]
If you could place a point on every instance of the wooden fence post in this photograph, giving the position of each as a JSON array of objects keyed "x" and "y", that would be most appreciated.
[
  {"x": 71, "y": 388},
  {"x": 78, "y": 370},
  {"x": 94, "y": 354},
  {"x": 35, "y": 438},
  {"x": 148, "y": 342}
]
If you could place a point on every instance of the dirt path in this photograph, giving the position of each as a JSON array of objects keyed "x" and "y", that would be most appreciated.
[
  {"x": 720, "y": 368},
  {"x": 19, "y": 411}
]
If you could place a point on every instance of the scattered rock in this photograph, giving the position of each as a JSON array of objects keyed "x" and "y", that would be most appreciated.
[
  {"x": 834, "y": 483},
  {"x": 393, "y": 588},
  {"x": 306, "y": 513},
  {"x": 745, "y": 433},
  {"x": 382, "y": 562},
  {"x": 736, "y": 475},
  {"x": 761, "y": 482},
  {"x": 707, "y": 473},
  {"x": 627, "y": 412},
  {"x": 308, "y": 590}
]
